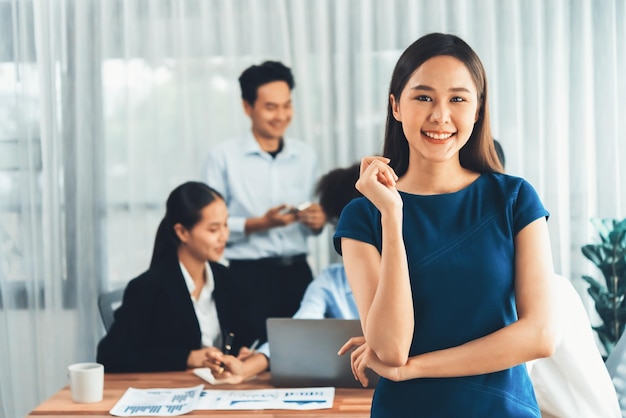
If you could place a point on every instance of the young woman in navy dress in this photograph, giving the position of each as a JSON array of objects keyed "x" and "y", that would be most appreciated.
[{"x": 448, "y": 258}]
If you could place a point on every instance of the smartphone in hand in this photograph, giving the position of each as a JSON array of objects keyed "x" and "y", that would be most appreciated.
[
  {"x": 288, "y": 210},
  {"x": 303, "y": 206}
]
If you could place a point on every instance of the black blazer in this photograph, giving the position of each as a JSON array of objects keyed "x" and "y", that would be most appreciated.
[{"x": 156, "y": 327}]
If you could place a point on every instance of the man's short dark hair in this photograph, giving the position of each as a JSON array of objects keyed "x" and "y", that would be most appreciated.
[{"x": 255, "y": 76}]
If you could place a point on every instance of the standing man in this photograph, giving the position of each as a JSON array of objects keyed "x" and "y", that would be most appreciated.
[{"x": 267, "y": 183}]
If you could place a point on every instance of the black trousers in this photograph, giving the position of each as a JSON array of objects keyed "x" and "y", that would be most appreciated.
[{"x": 268, "y": 287}]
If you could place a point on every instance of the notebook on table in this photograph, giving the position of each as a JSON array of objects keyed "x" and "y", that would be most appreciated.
[{"x": 303, "y": 352}]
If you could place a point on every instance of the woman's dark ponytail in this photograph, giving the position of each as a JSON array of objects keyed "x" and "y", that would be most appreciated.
[{"x": 165, "y": 242}]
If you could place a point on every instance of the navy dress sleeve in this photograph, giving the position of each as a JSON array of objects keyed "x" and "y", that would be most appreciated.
[
  {"x": 359, "y": 220},
  {"x": 527, "y": 207}
]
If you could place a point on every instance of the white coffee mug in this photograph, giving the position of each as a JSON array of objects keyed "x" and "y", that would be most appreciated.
[{"x": 86, "y": 382}]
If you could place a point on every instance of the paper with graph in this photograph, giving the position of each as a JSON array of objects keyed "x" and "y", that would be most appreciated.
[
  {"x": 300, "y": 398},
  {"x": 157, "y": 402}
]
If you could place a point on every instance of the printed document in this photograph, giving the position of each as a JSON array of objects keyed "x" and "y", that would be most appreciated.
[
  {"x": 179, "y": 401},
  {"x": 300, "y": 398},
  {"x": 157, "y": 402}
]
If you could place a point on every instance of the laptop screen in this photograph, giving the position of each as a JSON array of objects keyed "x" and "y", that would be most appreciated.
[{"x": 304, "y": 352}]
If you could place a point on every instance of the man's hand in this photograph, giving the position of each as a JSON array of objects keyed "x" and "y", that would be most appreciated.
[
  {"x": 313, "y": 217},
  {"x": 277, "y": 216}
]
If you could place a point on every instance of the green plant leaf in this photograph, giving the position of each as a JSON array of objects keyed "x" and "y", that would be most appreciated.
[
  {"x": 591, "y": 281},
  {"x": 593, "y": 253},
  {"x": 609, "y": 256}
]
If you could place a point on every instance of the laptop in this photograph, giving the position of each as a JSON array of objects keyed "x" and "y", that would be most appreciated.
[{"x": 303, "y": 352}]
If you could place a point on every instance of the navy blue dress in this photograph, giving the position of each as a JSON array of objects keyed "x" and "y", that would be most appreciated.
[{"x": 460, "y": 251}]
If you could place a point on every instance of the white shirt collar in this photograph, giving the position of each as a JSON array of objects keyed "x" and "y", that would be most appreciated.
[{"x": 208, "y": 275}]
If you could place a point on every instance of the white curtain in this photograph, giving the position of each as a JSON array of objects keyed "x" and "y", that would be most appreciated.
[{"x": 107, "y": 105}]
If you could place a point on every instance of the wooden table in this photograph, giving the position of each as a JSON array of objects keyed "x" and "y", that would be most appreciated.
[{"x": 350, "y": 403}]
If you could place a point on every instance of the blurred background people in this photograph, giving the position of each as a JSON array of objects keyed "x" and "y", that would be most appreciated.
[
  {"x": 329, "y": 294},
  {"x": 176, "y": 314},
  {"x": 267, "y": 182}
]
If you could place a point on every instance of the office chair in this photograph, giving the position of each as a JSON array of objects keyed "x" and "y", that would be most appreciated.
[
  {"x": 574, "y": 381},
  {"x": 107, "y": 304}
]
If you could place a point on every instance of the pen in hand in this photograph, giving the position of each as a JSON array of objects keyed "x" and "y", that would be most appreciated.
[
  {"x": 253, "y": 346},
  {"x": 228, "y": 346}
]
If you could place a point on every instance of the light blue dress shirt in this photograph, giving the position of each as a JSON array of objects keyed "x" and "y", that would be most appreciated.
[
  {"x": 252, "y": 181},
  {"x": 328, "y": 296}
]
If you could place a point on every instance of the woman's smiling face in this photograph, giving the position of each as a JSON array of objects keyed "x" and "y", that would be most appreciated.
[
  {"x": 206, "y": 240},
  {"x": 437, "y": 108}
]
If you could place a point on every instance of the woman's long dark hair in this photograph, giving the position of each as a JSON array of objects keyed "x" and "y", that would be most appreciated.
[
  {"x": 184, "y": 206},
  {"x": 478, "y": 154}
]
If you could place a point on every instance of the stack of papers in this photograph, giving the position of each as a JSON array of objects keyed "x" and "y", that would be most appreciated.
[{"x": 179, "y": 401}]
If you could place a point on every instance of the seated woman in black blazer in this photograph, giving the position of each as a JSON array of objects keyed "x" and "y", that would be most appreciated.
[{"x": 174, "y": 315}]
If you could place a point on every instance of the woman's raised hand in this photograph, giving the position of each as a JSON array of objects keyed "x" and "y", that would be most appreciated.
[{"x": 377, "y": 182}]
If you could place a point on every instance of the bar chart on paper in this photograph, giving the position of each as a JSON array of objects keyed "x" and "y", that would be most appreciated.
[
  {"x": 301, "y": 398},
  {"x": 157, "y": 402}
]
